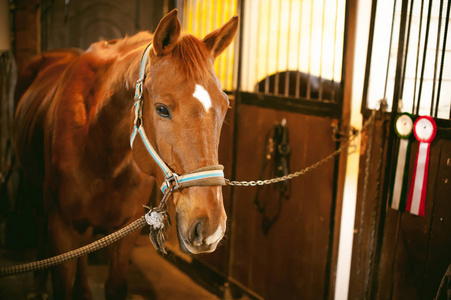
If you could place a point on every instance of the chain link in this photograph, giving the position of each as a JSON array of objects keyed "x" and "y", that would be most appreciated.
[{"x": 351, "y": 138}]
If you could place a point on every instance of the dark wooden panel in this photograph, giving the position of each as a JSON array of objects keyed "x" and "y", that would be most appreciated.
[
  {"x": 439, "y": 251},
  {"x": 290, "y": 262},
  {"x": 415, "y": 251}
]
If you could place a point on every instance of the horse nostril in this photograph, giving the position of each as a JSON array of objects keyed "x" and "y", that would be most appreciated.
[{"x": 197, "y": 236}]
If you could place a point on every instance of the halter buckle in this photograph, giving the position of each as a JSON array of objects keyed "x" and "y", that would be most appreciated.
[
  {"x": 138, "y": 112},
  {"x": 172, "y": 182},
  {"x": 139, "y": 89}
]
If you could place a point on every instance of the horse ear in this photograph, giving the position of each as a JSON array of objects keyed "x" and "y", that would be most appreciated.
[
  {"x": 219, "y": 39},
  {"x": 167, "y": 33}
]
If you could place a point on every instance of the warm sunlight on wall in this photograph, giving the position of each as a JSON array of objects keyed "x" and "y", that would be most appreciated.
[
  {"x": 296, "y": 35},
  {"x": 199, "y": 18}
]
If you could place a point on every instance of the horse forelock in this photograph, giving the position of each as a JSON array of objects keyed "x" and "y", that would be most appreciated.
[
  {"x": 190, "y": 56},
  {"x": 193, "y": 58}
]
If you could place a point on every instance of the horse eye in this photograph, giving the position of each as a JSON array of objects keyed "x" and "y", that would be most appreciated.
[{"x": 163, "y": 110}]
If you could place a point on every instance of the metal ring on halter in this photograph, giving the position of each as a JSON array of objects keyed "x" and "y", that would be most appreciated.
[{"x": 173, "y": 182}]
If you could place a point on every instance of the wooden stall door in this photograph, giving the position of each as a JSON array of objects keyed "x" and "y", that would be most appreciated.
[{"x": 289, "y": 262}]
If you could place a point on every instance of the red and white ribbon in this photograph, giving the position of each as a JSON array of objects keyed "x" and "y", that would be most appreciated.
[{"x": 424, "y": 130}]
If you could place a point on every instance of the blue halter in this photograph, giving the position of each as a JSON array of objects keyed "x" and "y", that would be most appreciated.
[{"x": 207, "y": 176}]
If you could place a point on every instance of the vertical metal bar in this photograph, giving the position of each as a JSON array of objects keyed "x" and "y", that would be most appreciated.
[
  {"x": 436, "y": 57},
  {"x": 445, "y": 35},
  {"x": 227, "y": 80},
  {"x": 390, "y": 147},
  {"x": 320, "y": 81},
  {"x": 298, "y": 69},
  {"x": 199, "y": 17},
  {"x": 194, "y": 10},
  {"x": 332, "y": 94},
  {"x": 276, "y": 79},
  {"x": 215, "y": 19},
  {"x": 418, "y": 55},
  {"x": 403, "y": 76},
  {"x": 428, "y": 22},
  {"x": 236, "y": 120},
  {"x": 310, "y": 49},
  {"x": 389, "y": 49},
  {"x": 226, "y": 8},
  {"x": 267, "y": 49},
  {"x": 287, "y": 74},
  {"x": 366, "y": 80},
  {"x": 257, "y": 54},
  {"x": 249, "y": 54},
  {"x": 205, "y": 17}
]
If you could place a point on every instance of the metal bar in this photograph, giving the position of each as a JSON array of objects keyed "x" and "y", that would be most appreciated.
[
  {"x": 276, "y": 79},
  {"x": 428, "y": 22},
  {"x": 436, "y": 56},
  {"x": 366, "y": 80},
  {"x": 227, "y": 51},
  {"x": 310, "y": 49},
  {"x": 445, "y": 36},
  {"x": 403, "y": 76},
  {"x": 298, "y": 73},
  {"x": 332, "y": 95},
  {"x": 249, "y": 54},
  {"x": 320, "y": 83},
  {"x": 389, "y": 48},
  {"x": 418, "y": 55},
  {"x": 267, "y": 51},
  {"x": 257, "y": 87},
  {"x": 390, "y": 154},
  {"x": 206, "y": 17},
  {"x": 287, "y": 74}
]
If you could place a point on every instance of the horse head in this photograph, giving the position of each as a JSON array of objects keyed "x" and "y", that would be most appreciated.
[{"x": 183, "y": 109}]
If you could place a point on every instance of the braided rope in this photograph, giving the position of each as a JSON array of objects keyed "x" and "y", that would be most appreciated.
[
  {"x": 65, "y": 257},
  {"x": 141, "y": 222}
]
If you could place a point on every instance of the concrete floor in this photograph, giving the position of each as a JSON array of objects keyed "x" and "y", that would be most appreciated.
[{"x": 150, "y": 277}]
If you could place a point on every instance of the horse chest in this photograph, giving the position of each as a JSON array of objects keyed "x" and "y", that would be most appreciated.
[{"x": 103, "y": 198}]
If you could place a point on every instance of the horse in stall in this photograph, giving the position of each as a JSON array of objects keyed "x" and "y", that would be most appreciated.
[{"x": 72, "y": 134}]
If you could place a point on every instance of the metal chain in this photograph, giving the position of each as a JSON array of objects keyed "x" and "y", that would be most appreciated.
[{"x": 351, "y": 138}]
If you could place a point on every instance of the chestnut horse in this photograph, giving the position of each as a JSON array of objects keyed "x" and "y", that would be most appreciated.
[{"x": 72, "y": 135}]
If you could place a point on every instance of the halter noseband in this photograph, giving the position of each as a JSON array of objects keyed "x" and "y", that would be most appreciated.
[{"x": 206, "y": 176}]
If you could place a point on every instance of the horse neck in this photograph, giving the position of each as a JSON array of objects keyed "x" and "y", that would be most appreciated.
[{"x": 111, "y": 129}]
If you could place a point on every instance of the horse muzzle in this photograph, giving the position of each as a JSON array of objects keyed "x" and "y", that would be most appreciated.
[
  {"x": 200, "y": 224},
  {"x": 198, "y": 241}
]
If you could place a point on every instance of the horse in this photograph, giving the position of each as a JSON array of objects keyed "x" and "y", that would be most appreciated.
[{"x": 72, "y": 130}]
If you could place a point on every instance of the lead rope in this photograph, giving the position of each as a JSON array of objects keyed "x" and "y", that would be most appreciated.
[{"x": 156, "y": 222}]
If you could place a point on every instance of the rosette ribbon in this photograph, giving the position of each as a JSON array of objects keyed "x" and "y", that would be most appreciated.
[
  {"x": 398, "y": 195},
  {"x": 424, "y": 130}
]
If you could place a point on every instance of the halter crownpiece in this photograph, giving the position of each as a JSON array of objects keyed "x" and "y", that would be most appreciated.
[{"x": 157, "y": 217}]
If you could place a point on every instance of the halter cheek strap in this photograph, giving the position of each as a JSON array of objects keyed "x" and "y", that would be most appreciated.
[{"x": 206, "y": 176}]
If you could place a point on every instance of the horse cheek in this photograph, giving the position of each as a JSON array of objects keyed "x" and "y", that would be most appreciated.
[{"x": 141, "y": 157}]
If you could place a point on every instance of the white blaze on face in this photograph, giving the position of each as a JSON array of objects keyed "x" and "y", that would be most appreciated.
[{"x": 201, "y": 94}]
